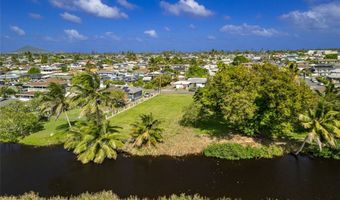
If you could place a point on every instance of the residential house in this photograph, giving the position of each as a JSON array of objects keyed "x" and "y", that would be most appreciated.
[{"x": 134, "y": 93}]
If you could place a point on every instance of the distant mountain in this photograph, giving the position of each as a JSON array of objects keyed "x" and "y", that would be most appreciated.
[{"x": 30, "y": 49}]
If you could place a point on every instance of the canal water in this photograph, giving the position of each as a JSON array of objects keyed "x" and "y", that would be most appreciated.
[{"x": 55, "y": 171}]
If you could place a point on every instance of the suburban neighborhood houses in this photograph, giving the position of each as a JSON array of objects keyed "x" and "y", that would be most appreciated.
[
  {"x": 29, "y": 73},
  {"x": 136, "y": 74}
]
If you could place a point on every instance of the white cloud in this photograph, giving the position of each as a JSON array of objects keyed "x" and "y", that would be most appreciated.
[
  {"x": 73, "y": 34},
  {"x": 246, "y": 29},
  {"x": 18, "y": 30},
  {"x": 126, "y": 4},
  {"x": 66, "y": 4},
  {"x": 69, "y": 17},
  {"x": 322, "y": 16},
  {"x": 95, "y": 7},
  {"x": 50, "y": 39},
  {"x": 151, "y": 33},
  {"x": 186, "y": 6},
  {"x": 167, "y": 28},
  {"x": 112, "y": 36},
  {"x": 35, "y": 16}
]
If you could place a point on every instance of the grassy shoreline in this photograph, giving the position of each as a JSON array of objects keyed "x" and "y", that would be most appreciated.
[
  {"x": 106, "y": 195},
  {"x": 178, "y": 140}
]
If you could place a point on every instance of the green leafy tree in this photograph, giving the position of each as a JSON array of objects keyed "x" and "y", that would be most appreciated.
[
  {"x": 89, "y": 66},
  {"x": 196, "y": 71},
  {"x": 91, "y": 141},
  {"x": 14, "y": 59},
  {"x": 34, "y": 70},
  {"x": 6, "y": 91},
  {"x": 240, "y": 59},
  {"x": 44, "y": 59},
  {"x": 146, "y": 131},
  {"x": 55, "y": 101},
  {"x": 259, "y": 100},
  {"x": 322, "y": 126},
  {"x": 16, "y": 121},
  {"x": 161, "y": 81},
  {"x": 29, "y": 56},
  {"x": 64, "y": 69},
  {"x": 331, "y": 56}
]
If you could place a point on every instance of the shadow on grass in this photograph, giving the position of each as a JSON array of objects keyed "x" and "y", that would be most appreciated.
[
  {"x": 65, "y": 127},
  {"x": 214, "y": 127}
]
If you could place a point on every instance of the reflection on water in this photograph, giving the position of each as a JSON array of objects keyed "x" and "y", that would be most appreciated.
[{"x": 54, "y": 171}]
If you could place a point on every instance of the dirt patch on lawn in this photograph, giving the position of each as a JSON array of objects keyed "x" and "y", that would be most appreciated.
[{"x": 188, "y": 142}]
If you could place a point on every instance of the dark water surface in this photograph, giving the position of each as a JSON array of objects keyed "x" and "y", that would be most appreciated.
[{"x": 54, "y": 171}]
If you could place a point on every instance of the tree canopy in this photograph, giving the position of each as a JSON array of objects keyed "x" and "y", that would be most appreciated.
[
  {"x": 196, "y": 71},
  {"x": 17, "y": 119},
  {"x": 34, "y": 70},
  {"x": 259, "y": 100},
  {"x": 239, "y": 60}
]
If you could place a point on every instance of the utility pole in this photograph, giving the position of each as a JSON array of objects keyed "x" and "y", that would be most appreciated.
[{"x": 160, "y": 83}]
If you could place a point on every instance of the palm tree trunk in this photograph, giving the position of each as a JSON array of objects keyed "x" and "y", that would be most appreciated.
[
  {"x": 302, "y": 146},
  {"x": 98, "y": 114},
  {"x": 68, "y": 119}
]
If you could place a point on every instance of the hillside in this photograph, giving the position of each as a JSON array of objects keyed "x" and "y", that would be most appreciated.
[{"x": 30, "y": 49}]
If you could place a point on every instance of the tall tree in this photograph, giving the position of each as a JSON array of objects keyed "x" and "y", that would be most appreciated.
[
  {"x": 94, "y": 142},
  {"x": 322, "y": 126},
  {"x": 55, "y": 101},
  {"x": 17, "y": 119},
  {"x": 87, "y": 94},
  {"x": 6, "y": 91},
  {"x": 262, "y": 100},
  {"x": 34, "y": 70},
  {"x": 146, "y": 131}
]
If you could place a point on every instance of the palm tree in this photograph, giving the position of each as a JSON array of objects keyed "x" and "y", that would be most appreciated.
[
  {"x": 6, "y": 91},
  {"x": 87, "y": 94},
  {"x": 330, "y": 96},
  {"x": 146, "y": 131},
  {"x": 94, "y": 142},
  {"x": 55, "y": 102},
  {"x": 322, "y": 125},
  {"x": 294, "y": 70}
]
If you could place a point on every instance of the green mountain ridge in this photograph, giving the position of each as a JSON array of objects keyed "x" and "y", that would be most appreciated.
[{"x": 30, "y": 49}]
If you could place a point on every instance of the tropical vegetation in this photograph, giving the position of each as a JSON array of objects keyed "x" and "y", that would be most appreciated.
[
  {"x": 94, "y": 142},
  {"x": 146, "y": 131},
  {"x": 232, "y": 151},
  {"x": 262, "y": 100},
  {"x": 107, "y": 195},
  {"x": 17, "y": 119},
  {"x": 55, "y": 102}
]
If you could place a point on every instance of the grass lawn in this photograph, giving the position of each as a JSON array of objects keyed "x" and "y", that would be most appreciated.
[
  {"x": 166, "y": 107},
  {"x": 53, "y": 131}
]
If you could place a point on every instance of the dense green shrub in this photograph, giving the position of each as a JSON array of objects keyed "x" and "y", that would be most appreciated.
[
  {"x": 17, "y": 119},
  {"x": 325, "y": 153},
  {"x": 231, "y": 151}
]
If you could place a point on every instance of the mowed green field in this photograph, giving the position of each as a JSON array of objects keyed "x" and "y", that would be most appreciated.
[{"x": 166, "y": 107}]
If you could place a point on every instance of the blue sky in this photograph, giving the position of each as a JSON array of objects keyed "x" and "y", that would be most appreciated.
[{"x": 182, "y": 25}]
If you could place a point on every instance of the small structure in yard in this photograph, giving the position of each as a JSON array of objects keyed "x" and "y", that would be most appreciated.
[
  {"x": 190, "y": 83},
  {"x": 134, "y": 93},
  {"x": 181, "y": 84},
  {"x": 197, "y": 82}
]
